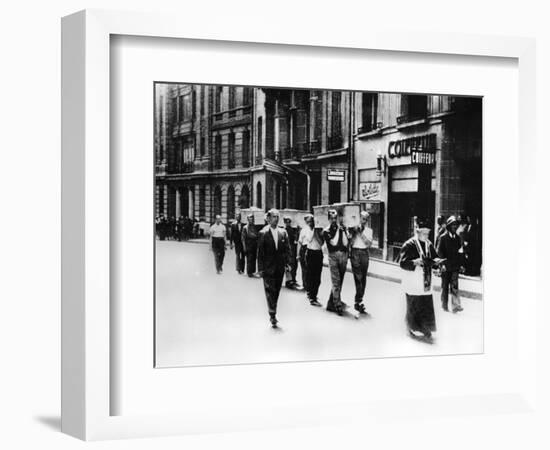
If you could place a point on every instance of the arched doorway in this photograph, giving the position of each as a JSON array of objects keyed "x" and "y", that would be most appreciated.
[
  {"x": 259, "y": 194},
  {"x": 277, "y": 192},
  {"x": 230, "y": 203},
  {"x": 244, "y": 199},
  {"x": 217, "y": 201}
]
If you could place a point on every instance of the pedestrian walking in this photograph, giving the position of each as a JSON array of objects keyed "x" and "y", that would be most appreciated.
[
  {"x": 273, "y": 257},
  {"x": 302, "y": 247},
  {"x": 336, "y": 239},
  {"x": 417, "y": 258},
  {"x": 235, "y": 241},
  {"x": 218, "y": 236},
  {"x": 249, "y": 237},
  {"x": 293, "y": 265},
  {"x": 449, "y": 250},
  {"x": 361, "y": 240},
  {"x": 163, "y": 228},
  {"x": 180, "y": 229}
]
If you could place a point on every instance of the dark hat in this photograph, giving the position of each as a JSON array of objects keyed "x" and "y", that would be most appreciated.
[
  {"x": 423, "y": 222},
  {"x": 451, "y": 220}
]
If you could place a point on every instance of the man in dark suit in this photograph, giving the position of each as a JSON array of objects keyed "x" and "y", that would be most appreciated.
[
  {"x": 273, "y": 258},
  {"x": 293, "y": 242},
  {"x": 235, "y": 239},
  {"x": 448, "y": 249},
  {"x": 249, "y": 238}
]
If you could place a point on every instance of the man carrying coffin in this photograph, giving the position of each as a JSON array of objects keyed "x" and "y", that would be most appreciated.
[
  {"x": 273, "y": 258},
  {"x": 310, "y": 255},
  {"x": 361, "y": 240},
  {"x": 417, "y": 258},
  {"x": 337, "y": 239}
]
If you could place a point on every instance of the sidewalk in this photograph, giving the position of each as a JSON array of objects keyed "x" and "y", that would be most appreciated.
[{"x": 470, "y": 287}]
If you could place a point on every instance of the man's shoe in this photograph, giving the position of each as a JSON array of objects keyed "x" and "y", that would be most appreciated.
[
  {"x": 459, "y": 308},
  {"x": 360, "y": 308},
  {"x": 273, "y": 321},
  {"x": 315, "y": 302},
  {"x": 445, "y": 308}
]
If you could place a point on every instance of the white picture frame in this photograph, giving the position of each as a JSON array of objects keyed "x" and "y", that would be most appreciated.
[{"x": 86, "y": 315}]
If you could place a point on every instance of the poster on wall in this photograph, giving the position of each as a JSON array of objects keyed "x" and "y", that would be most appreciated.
[{"x": 369, "y": 191}]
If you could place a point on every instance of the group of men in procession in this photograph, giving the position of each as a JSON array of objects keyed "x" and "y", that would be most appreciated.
[
  {"x": 180, "y": 229},
  {"x": 275, "y": 251}
]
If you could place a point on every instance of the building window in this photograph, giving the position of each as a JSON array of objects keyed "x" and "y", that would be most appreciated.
[
  {"x": 218, "y": 98},
  {"x": 201, "y": 100},
  {"x": 217, "y": 201},
  {"x": 218, "y": 152},
  {"x": 246, "y": 148},
  {"x": 336, "y": 120},
  {"x": 188, "y": 154},
  {"x": 187, "y": 105},
  {"x": 230, "y": 202},
  {"x": 370, "y": 112},
  {"x": 232, "y": 97},
  {"x": 202, "y": 146},
  {"x": 413, "y": 107},
  {"x": 259, "y": 195},
  {"x": 202, "y": 202},
  {"x": 231, "y": 151},
  {"x": 247, "y": 96},
  {"x": 260, "y": 140}
]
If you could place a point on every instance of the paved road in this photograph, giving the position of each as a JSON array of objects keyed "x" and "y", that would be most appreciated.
[{"x": 204, "y": 318}]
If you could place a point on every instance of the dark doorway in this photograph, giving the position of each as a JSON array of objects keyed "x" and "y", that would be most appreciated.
[{"x": 334, "y": 192}]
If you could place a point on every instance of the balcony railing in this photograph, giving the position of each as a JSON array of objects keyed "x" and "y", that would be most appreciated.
[
  {"x": 408, "y": 118},
  {"x": 335, "y": 142},
  {"x": 313, "y": 147},
  {"x": 368, "y": 128}
]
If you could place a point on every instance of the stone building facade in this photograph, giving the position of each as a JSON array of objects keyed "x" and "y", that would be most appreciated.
[
  {"x": 222, "y": 148},
  {"x": 417, "y": 155}
]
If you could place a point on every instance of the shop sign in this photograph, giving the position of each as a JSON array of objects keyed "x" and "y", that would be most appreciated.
[
  {"x": 369, "y": 191},
  {"x": 336, "y": 175},
  {"x": 404, "y": 147},
  {"x": 422, "y": 158}
]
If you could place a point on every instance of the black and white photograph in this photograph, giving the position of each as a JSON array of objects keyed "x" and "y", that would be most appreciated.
[{"x": 298, "y": 224}]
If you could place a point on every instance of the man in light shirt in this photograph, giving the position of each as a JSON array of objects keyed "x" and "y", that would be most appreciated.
[
  {"x": 273, "y": 258},
  {"x": 218, "y": 236},
  {"x": 361, "y": 240},
  {"x": 337, "y": 239},
  {"x": 310, "y": 255}
]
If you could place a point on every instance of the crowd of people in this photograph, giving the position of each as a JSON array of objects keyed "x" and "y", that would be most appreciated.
[
  {"x": 274, "y": 253},
  {"x": 180, "y": 229},
  {"x": 469, "y": 232}
]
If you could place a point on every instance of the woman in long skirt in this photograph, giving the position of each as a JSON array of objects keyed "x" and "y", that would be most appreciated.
[{"x": 417, "y": 258}]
